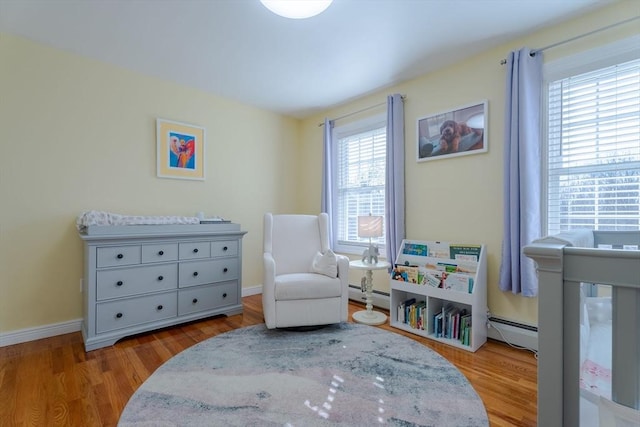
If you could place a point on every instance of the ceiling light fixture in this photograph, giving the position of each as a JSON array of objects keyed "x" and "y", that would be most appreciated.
[{"x": 296, "y": 9}]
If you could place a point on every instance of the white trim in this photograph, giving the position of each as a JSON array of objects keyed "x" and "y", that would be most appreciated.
[
  {"x": 513, "y": 335},
  {"x": 39, "y": 332},
  {"x": 52, "y": 330},
  {"x": 604, "y": 56},
  {"x": 253, "y": 290},
  {"x": 379, "y": 299},
  {"x": 359, "y": 126}
]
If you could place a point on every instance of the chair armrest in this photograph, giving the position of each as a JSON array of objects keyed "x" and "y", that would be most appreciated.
[
  {"x": 268, "y": 290},
  {"x": 343, "y": 266}
]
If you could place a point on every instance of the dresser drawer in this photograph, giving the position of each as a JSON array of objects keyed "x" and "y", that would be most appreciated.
[
  {"x": 120, "y": 314},
  {"x": 159, "y": 252},
  {"x": 207, "y": 297},
  {"x": 112, "y": 256},
  {"x": 210, "y": 271},
  {"x": 195, "y": 250},
  {"x": 135, "y": 280},
  {"x": 225, "y": 248}
]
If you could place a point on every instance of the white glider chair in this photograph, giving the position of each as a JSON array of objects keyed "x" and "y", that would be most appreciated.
[{"x": 305, "y": 283}]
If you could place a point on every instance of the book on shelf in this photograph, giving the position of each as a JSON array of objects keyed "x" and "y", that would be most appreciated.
[
  {"x": 451, "y": 265},
  {"x": 402, "y": 309},
  {"x": 407, "y": 273},
  {"x": 418, "y": 249},
  {"x": 465, "y": 329},
  {"x": 453, "y": 323},
  {"x": 412, "y": 312},
  {"x": 451, "y": 281},
  {"x": 465, "y": 252}
]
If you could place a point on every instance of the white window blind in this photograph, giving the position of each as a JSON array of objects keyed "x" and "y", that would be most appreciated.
[
  {"x": 360, "y": 182},
  {"x": 593, "y": 157}
]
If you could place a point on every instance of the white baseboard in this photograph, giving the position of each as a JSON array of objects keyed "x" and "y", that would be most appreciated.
[
  {"x": 253, "y": 290},
  {"x": 513, "y": 334},
  {"x": 48, "y": 331},
  {"x": 379, "y": 299},
  {"x": 39, "y": 332}
]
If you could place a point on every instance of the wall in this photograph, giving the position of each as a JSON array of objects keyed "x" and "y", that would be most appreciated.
[
  {"x": 78, "y": 134},
  {"x": 460, "y": 199}
]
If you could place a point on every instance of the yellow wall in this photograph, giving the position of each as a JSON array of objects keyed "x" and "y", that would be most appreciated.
[
  {"x": 460, "y": 199},
  {"x": 78, "y": 134}
]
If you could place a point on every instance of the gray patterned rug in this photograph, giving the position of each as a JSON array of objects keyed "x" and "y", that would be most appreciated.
[{"x": 346, "y": 374}]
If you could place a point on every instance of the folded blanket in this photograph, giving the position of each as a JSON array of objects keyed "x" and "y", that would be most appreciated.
[
  {"x": 88, "y": 218},
  {"x": 580, "y": 238}
]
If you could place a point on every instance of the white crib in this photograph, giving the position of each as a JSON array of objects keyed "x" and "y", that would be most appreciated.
[{"x": 564, "y": 261}]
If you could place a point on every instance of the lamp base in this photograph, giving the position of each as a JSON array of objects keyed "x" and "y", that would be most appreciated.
[{"x": 370, "y": 317}]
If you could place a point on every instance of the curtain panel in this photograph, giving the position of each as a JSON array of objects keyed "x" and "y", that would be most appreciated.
[
  {"x": 394, "y": 186},
  {"x": 326, "y": 202},
  {"x": 522, "y": 170}
]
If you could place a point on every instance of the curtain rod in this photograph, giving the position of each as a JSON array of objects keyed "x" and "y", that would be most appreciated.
[
  {"x": 542, "y": 49},
  {"x": 362, "y": 110}
]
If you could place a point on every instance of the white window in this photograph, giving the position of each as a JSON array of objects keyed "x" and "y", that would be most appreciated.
[
  {"x": 593, "y": 152},
  {"x": 359, "y": 180}
]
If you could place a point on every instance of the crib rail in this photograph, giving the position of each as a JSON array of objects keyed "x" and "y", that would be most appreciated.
[{"x": 561, "y": 268}]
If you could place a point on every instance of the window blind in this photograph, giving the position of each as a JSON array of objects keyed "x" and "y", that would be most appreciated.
[
  {"x": 361, "y": 161},
  {"x": 593, "y": 157}
]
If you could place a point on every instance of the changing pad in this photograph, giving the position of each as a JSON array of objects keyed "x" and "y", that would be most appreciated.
[{"x": 91, "y": 218}]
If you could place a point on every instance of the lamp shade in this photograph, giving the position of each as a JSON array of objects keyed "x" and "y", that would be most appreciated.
[{"x": 370, "y": 226}]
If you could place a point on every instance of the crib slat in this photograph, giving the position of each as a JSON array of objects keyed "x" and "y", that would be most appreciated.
[
  {"x": 571, "y": 354},
  {"x": 625, "y": 379}
]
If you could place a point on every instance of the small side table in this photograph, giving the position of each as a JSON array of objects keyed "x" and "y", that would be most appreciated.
[{"x": 368, "y": 316}]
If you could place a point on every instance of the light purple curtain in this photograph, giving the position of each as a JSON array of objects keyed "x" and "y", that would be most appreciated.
[
  {"x": 326, "y": 202},
  {"x": 522, "y": 166},
  {"x": 394, "y": 196}
]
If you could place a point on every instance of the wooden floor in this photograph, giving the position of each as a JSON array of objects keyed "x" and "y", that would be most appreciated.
[{"x": 53, "y": 382}]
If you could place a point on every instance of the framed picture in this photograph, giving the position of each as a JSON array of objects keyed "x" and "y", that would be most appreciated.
[
  {"x": 180, "y": 150},
  {"x": 453, "y": 133}
]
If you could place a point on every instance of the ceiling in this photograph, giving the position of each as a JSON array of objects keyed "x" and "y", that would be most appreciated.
[{"x": 239, "y": 50}]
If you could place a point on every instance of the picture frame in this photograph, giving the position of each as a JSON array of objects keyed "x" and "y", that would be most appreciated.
[
  {"x": 458, "y": 132},
  {"x": 180, "y": 150}
]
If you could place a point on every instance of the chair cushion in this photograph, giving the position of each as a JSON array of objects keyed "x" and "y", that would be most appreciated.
[
  {"x": 326, "y": 264},
  {"x": 298, "y": 286}
]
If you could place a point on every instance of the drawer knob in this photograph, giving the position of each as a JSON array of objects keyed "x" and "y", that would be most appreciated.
[
  {"x": 119, "y": 315},
  {"x": 195, "y": 273},
  {"x": 160, "y": 307},
  {"x": 161, "y": 253},
  {"x": 225, "y": 248},
  {"x": 195, "y": 300},
  {"x": 224, "y": 295},
  {"x": 119, "y": 283},
  {"x": 195, "y": 251},
  {"x": 160, "y": 278},
  {"x": 119, "y": 256},
  {"x": 225, "y": 269}
]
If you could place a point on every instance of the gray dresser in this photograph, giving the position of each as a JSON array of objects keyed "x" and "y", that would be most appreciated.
[{"x": 139, "y": 278}]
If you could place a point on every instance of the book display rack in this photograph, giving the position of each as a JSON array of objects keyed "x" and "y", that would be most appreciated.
[{"x": 439, "y": 291}]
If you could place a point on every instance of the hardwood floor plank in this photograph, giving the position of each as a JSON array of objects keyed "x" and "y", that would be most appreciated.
[{"x": 54, "y": 382}]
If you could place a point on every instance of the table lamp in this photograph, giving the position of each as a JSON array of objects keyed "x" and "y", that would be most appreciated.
[{"x": 370, "y": 226}]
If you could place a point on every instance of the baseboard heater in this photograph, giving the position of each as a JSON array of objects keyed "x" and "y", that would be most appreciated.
[
  {"x": 380, "y": 299},
  {"x": 514, "y": 333}
]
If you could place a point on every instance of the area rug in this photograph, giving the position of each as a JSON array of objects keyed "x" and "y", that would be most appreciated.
[{"x": 345, "y": 374}]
